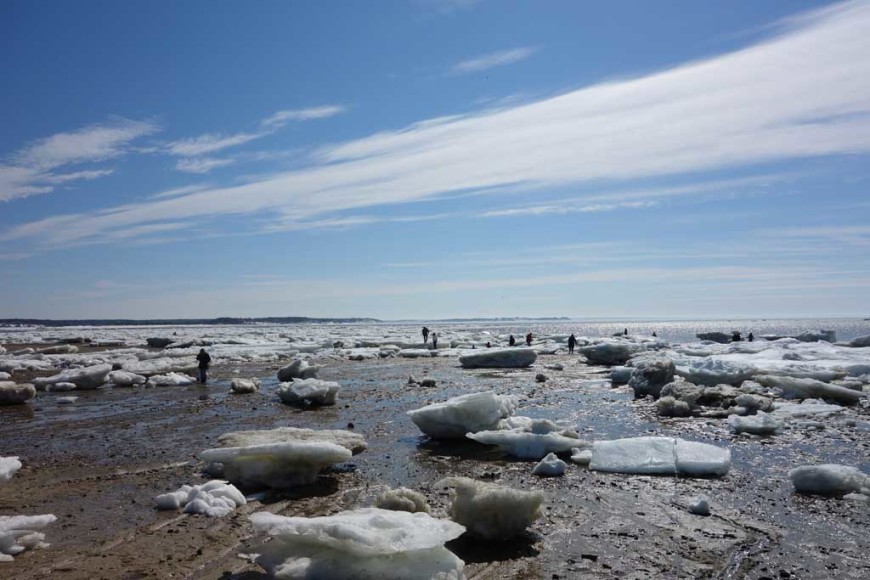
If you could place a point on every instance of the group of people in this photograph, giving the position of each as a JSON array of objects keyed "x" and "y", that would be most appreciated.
[{"x": 426, "y": 337}]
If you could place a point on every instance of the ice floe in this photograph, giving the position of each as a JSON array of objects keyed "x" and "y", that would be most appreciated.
[
  {"x": 759, "y": 424},
  {"x": 353, "y": 442},
  {"x": 453, "y": 418},
  {"x": 126, "y": 379},
  {"x": 298, "y": 369},
  {"x": 20, "y": 533},
  {"x": 499, "y": 358},
  {"x": 492, "y": 511},
  {"x": 215, "y": 499},
  {"x": 309, "y": 392},
  {"x": 550, "y": 466},
  {"x": 243, "y": 386},
  {"x": 829, "y": 479},
  {"x": 275, "y": 465},
  {"x": 660, "y": 455},
  {"x": 170, "y": 380},
  {"x": 8, "y": 467},
  {"x": 527, "y": 445},
  {"x": 363, "y": 544},
  {"x": 795, "y": 388},
  {"x": 87, "y": 378}
]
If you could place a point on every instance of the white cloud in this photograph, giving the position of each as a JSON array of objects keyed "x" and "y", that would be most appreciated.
[
  {"x": 756, "y": 105},
  {"x": 562, "y": 209},
  {"x": 492, "y": 60},
  {"x": 31, "y": 170},
  {"x": 281, "y": 118},
  {"x": 205, "y": 144},
  {"x": 201, "y": 164}
]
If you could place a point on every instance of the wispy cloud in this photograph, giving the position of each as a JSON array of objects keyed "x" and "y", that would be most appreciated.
[
  {"x": 753, "y": 106},
  {"x": 562, "y": 209},
  {"x": 201, "y": 164},
  {"x": 205, "y": 144},
  {"x": 492, "y": 60},
  {"x": 33, "y": 169},
  {"x": 281, "y": 118}
]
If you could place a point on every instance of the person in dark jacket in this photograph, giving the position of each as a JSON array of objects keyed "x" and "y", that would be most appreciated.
[
  {"x": 434, "y": 341},
  {"x": 425, "y": 335},
  {"x": 572, "y": 342},
  {"x": 512, "y": 341},
  {"x": 529, "y": 339},
  {"x": 203, "y": 359}
]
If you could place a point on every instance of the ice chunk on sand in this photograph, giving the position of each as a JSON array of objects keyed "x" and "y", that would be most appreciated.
[
  {"x": 620, "y": 375},
  {"x": 860, "y": 341},
  {"x": 353, "y": 442},
  {"x": 4, "y": 376},
  {"x": 699, "y": 505},
  {"x": 8, "y": 467},
  {"x": 276, "y": 465},
  {"x": 215, "y": 499},
  {"x": 650, "y": 375},
  {"x": 806, "y": 408},
  {"x": 19, "y": 533},
  {"x": 298, "y": 369},
  {"x": 170, "y": 380},
  {"x": 550, "y": 466},
  {"x": 810, "y": 389},
  {"x": 159, "y": 365},
  {"x": 363, "y": 544},
  {"x": 470, "y": 413},
  {"x": 402, "y": 500},
  {"x": 313, "y": 392},
  {"x": 61, "y": 387},
  {"x": 760, "y": 424},
  {"x": 14, "y": 394},
  {"x": 242, "y": 386},
  {"x": 581, "y": 456},
  {"x": 712, "y": 371},
  {"x": 492, "y": 511},
  {"x": 659, "y": 455},
  {"x": 66, "y": 400},
  {"x": 527, "y": 445},
  {"x": 611, "y": 352},
  {"x": 417, "y": 353},
  {"x": 500, "y": 358},
  {"x": 86, "y": 378},
  {"x": 126, "y": 379},
  {"x": 828, "y": 479}
]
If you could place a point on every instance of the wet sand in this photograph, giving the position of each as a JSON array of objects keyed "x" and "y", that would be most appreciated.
[{"x": 98, "y": 464}]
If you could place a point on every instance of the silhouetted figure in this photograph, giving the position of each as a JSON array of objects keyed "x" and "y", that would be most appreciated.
[
  {"x": 572, "y": 342},
  {"x": 512, "y": 341},
  {"x": 735, "y": 336},
  {"x": 203, "y": 359},
  {"x": 751, "y": 337},
  {"x": 625, "y": 332},
  {"x": 529, "y": 339},
  {"x": 434, "y": 340},
  {"x": 654, "y": 333},
  {"x": 488, "y": 344},
  {"x": 425, "y": 335}
]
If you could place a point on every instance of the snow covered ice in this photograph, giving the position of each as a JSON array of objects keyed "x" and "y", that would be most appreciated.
[
  {"x": 353, "y": 442},
  {"x": 659, "y": 455},
  {"x": 15, "y": 394},
  {"x": 312, "y": 392},
  {"x": 527, "y": 445},
  {"x": 170, "y": 380},
  {"x": 499, "y": 358},
  {"x": 8, "y": 467},
  {"x": 215, "y": 499},
  {"x": 550, "y": 466},
  {"x": 298, "y": 369},
  {"x": 492, "y": 511},
  {"x": 86, "y": 378},
  {"x": 20, "y": 533},
  {"x": 244, "y": 386},
  {"x": 276, "y": 465},
  {"x": 829, "y": 479},
  {"x": 402, "y": 499},
  {"x": 759, "y": 424},
  {"x": 362, "y": 544},
  {"x": 471, "y": 413}
]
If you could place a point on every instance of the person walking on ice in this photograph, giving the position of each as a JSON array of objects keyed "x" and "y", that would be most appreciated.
[
  {"x": 434, "y": 341},
  {"x": 572, "y": 342},
  {"x": 425, "y": 335},
  {"x": 529, "y": 339},
  {"x": 204, "y": 359}
]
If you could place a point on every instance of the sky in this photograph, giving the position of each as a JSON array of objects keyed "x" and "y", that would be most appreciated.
[{"x": 418, "y": 159}]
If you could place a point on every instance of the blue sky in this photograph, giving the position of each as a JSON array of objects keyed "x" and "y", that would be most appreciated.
[{"x": 434, "y": 158}]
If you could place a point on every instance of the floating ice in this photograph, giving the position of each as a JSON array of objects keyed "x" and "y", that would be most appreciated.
[
  {"x": 312, "y": 392},
  {"x": 170, "y": 380},
  {"x": 242, "y": 386},
  {"x": 659, "y": 455},
  {"x": 276, "y": 465},
  {"x": 810, "y": 389},
  {"x": 363, "y": 544},
  {"x": 527, "y": 445},
  {"x": 19, "y": 533},
  {"x": 550, "y": 466},
  {"x": 492, "y": 511},
  {"x": 829, "y": 479},
  {"x": 760, "y": 424},
  {"x": 215, "y": 499},
  {"x": 87, "y": 378},
  {"x": 499, "y": 358},
  {"x": 15, "y": 394},
  {"x": 126, "y": 379},
  {"x": 471, "y": 413},
  {"x": 8, "y": 467},
  {"x": 298, "y": 369},
  {"x": 353, "y": 442},
  {"x": 402, "y": 500}
]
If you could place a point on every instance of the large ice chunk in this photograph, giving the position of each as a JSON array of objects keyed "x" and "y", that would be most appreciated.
[
  {"x": 471, "y": 413},
  {"x": 527, "y": 445},
  {"x": 659, "y": 455},
  {"x": 363, "y": 544},
  {"x": 19, "y": 533},
  {"x": 91, "y": 377},
  {"x": 298, "y": 369},
  {"x": 612, "y": 352},
  {"x": 8, "y": 467},
  {"x": 15, "y": 394},
  {"x": 759, "y": 424},
  {"x": 276, "y": 465},
  {"x": 309, "y": 392},
  {"x": 126, "y": 379},
  {"x": 492, "y": 511},
  {"x": 550, "y": 466},
  {"x": 215, "y": 499},
  {"x": 828, "y": 479},
  {"x": 353, "y": 442},
  {"x": 810, "y": 389},
  {"x": 243, "y": 386},
  {"x": 860, "y": 341},
  {"x": 499, "y": 358},
  {"x": 170, "y": 380},
  {"x": 650, "y": 375},
  {"x": 712, "y": 371}
]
